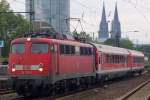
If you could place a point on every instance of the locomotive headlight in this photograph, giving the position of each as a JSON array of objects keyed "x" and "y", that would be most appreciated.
[
  {"x": 29, "y": 39},
  {"x": 13, "y": 69},
  {"x": 40, "y": 69}
]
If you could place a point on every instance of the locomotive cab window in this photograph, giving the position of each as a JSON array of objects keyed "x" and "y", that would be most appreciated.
[
  {"x": 39, "y": 48},
  {"x": 18, "y": 48}
]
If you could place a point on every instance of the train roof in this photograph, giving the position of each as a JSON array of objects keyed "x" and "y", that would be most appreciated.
[
  {"x": 136, "y": 53},
  {"x": 67, "y": 42},
  {"x": 70, "y": 42},
  {"x": 111, "y": 49},
  {"x": 22, "y": 40}
]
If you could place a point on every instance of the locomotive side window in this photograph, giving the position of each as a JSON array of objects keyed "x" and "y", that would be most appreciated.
[
  {"x": 18, "y": 48},
  {"x": 39, "y": 48},
  {"x": 85, "y": 51},
  {"x": 67, "y": 49}
]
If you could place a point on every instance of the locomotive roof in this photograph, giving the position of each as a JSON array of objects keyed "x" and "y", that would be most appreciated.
[
  {"x": 67, "y": 42},
  {"x": 70, "y": 42},
  {"x": 22, "y": 40}
]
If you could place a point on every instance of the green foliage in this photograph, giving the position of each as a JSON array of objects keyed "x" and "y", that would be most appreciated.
[
  {"x": 11, "y": 25},
  {"x": 110, "y": 42},
  {"x": 145, "y": 48},
  {"x": 124, "y": 43},
  {"x": 3, "y": 59}
]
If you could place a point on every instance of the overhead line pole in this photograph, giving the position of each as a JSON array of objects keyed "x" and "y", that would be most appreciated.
[{"x": 31, "y": 15}]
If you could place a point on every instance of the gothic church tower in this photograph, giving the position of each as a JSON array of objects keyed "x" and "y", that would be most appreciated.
[{"x": 103, "y": 30}]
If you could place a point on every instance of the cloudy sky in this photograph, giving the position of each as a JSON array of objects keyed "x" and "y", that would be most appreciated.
[{"x": 134, "y": 16}]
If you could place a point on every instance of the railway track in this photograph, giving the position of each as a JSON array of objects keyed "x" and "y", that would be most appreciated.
[
  {"x": 81, "y": 94},
  {"x": 3, "y": 92},
  {"x": 131, "y": 93},
  {"x": 94, "y": 92},
  {"x": 105, "y": 92}
]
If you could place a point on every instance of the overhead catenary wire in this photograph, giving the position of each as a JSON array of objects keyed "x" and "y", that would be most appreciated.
[
  {"x": 141, "y": 13},
  {"x": 78, "y": 2},
  {"x": 93, "y": 21}
]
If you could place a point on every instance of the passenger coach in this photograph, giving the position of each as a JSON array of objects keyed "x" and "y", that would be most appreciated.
[{"x": 112, "y": 61}]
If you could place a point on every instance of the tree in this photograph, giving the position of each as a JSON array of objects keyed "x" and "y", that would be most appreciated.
[
  {"x": 124, "y": 43},
  {"x": 11, "y": 25},
  {"x": 110, "y": 42}
]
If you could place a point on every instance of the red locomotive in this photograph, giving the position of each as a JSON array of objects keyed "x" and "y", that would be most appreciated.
[{"x": 45, "y": 65}]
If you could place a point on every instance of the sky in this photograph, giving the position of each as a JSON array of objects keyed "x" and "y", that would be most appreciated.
[{"x": 133, "y": 14}]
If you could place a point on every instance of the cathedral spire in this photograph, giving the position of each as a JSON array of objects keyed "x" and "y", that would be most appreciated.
[
  {"x": 116, "y": 27},
  {"x": 103, "y": 30},
  {"x": 116, "y": 13},
  {"x": 103, "y": 13}
]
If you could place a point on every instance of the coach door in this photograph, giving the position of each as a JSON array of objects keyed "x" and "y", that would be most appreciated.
[
  {"x": 129, "y": 61},
  {"x": 100, "y": 61},
  {"x": 55, "y": 58}
]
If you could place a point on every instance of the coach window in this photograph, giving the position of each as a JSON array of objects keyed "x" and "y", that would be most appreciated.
[
  {"x": 86, "y": 51},
  {"x": 107, "y": 58},
  {"x": 82, "y": 51},
  {"x": 39, "y": 48},
  {"x": 116, "y": 59},
  {"x": 18, "y": 48},
  {"x": 110, "y": 59},
  {"x": 119, "y": 59},
  {"x": 113, "y": 59},
  {"x": 62, "y": 49},
  {"x": 122, "y": 59}
]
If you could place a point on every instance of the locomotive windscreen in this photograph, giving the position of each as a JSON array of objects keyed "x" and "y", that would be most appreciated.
[
  {"x": 39, "y": 48},
  {"x": 18, "y": 48}
]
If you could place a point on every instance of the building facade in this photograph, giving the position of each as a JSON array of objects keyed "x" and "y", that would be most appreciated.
[
  {"x": 103, "y": 28},
  {"x": 53, "y": 12}
]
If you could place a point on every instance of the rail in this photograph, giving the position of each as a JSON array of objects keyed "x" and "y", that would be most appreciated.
[{"x": 132, "y": 92}]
